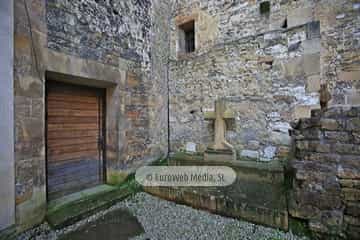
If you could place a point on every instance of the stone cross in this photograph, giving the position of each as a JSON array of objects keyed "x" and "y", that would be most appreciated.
[{"x": 220, "y": 115}]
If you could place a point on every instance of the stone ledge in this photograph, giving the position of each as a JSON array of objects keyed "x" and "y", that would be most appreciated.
[{"x": 190, "y": 159}]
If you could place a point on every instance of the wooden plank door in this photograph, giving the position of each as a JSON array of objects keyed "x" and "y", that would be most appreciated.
[{"x": 74, "y": 138}]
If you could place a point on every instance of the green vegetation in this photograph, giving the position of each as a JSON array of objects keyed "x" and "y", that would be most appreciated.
[
  {"x": 70, "y": 209},
  {"x": 187, "y": 156},
  {"x": 117, "y": 177},
  {"x": 162, "y": 161},
  {"x": 299, "y": 227}
]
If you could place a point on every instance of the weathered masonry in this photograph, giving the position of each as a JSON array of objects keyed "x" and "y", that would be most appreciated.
[
  {"x": 90, "y": 97},
  {"x": 100, "y": 88},
  {"x": 325, "y": 189},
  {"x": 267, "y": 59},
  {"x": 7, "y": 173}
]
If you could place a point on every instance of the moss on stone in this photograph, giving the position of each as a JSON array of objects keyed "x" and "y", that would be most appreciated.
[
  {"x": 178, "y": 156},
  {"x": 9, "y": 233},
  {"x": 90, "y": 201},
  {"x": 299, "y": 227},
  {"x": 32, "y": 212},
  {"x": 116, "y": 177},
  {"x": 161, "y": 161}
]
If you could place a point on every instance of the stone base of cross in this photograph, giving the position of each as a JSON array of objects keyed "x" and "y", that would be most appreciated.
[{"x": 220, "y": 149}]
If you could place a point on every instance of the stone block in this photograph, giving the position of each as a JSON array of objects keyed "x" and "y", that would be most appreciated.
[
  {"x": 352, "y": 209},
  {"x": 346, "y": 148},
  {"x": 328, "y": 222},
  {"x": 327, "y": 158},
  {"x": 348, "y": 173},
  {"x": 253, "y": 145},
  {"x": 349, "y": 76},
  {"x": 341, "y": 137},
  {"x": 269, "y": 153},
  {"x": 296, "y": 38},
  {"x": 132, "y": 80},
  {"x": 299, "y": 16},
  {"x": 294, "y": 67},
  {"x": 353, "y": 232},
  {"x": 311, "y": 46},
  {"x": 279, "y": 138},
  {"x": 329, "y": 124},
  {"x": 353, "y": 124},
  {"x": 313, "y": 83},
  {"x": 313, "y": 30},
  {"x": 312, "y": 64},
  {"x": 353, "y": 99},
  {"x": 350, "y": 183},
  {"x": 312, "y": 134},
  {"x": 354, "y": 111},
  {"x": 250, "y": 154},
  {"x": 302, "y": 145},
  {"x": 334, "y": 112},
  {"x": 302, "y": 112},
  {"x": 283, "y": 152},
  {"x": 190, "y": 147},
  {"x": 351, "y": 194},
  {"x": 356, "y": 137},
  {"x": 308, "y": 124}
]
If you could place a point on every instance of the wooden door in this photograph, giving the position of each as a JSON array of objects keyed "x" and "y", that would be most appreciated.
[{"x": 75, "y": 138}]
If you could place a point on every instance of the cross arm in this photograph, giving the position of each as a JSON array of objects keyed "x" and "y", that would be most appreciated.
[{"x": 211, "y": 115}]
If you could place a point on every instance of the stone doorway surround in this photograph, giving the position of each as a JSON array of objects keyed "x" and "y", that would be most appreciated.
[
  {"x": 71, "y": 69},
  {"x": 7, "y": 171}
]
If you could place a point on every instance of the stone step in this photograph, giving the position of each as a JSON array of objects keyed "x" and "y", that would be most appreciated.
[
  {"x": 72, "y": 208},
  {"x": 8, "y": 234}
]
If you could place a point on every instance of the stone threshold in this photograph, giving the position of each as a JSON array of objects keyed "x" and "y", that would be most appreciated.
[
  {"x": 8, "y": 233},
  {"x": 77, "y": 206}
]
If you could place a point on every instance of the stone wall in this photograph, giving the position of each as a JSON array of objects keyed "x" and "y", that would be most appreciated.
[
  {"x": 326, "y": 169},
  {"x": 269, "y": 67},
  {"x": 100, "y": 30},
  {"x": 7, "y": 173},
  {"x": 121, "y": 46},
  {"x": 267, "y": 80},
  {"x": 258, "y": 194},
  {"x": 340, "y": 52}
]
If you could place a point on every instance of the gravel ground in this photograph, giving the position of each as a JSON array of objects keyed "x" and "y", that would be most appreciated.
[{"x": 166, "y": 220}]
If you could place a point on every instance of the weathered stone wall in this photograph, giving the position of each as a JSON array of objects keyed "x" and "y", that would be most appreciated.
[
  {"x": 7, "y": 173},
  {"x": 118, "y": 45},
  {"x": 326, "y": 169},
  {"x": 100, "y": 30},
  {"x": 268, "y": 66},
  {"x": 267, "y": 80},
  {"x": 340, "y": 53},
  {"x": 29, "y": 91},
  {"x": 339, "y": 21}
]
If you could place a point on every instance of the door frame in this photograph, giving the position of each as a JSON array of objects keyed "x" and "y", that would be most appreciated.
[{"x": 102, "y": 154}]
